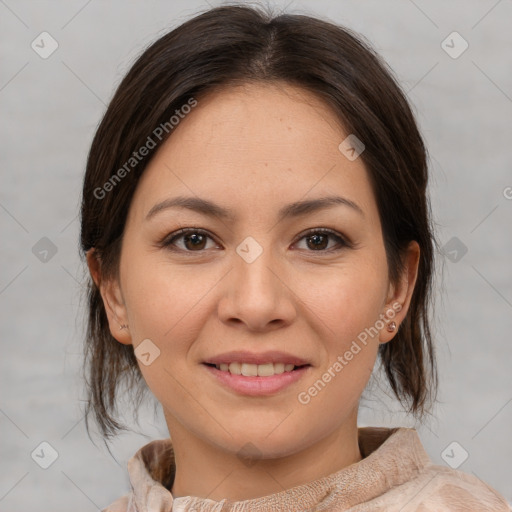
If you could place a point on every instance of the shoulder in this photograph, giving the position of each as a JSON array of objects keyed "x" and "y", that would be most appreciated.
[
  {"x": 441, "y": 489},
  {"x": 122, "y": 504}
]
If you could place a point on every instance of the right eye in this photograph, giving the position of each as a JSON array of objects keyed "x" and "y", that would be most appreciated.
[{"x": 194, "y": 240}]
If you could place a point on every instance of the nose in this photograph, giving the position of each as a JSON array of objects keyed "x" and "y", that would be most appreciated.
[{"x": 257, "y": 294}]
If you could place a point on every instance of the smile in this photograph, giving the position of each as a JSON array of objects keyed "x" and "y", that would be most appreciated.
[
  {"x": 255, "y": 370},
  {"x": 256, "y": 379}
]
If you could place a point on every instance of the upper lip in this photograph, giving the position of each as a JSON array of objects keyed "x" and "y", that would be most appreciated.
[{"x": 242, "y": 356}]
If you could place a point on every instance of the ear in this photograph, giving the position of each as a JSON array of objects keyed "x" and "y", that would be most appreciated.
[
  {"x": 399, "y": 295},
  {"x": 113, "y": 300}
]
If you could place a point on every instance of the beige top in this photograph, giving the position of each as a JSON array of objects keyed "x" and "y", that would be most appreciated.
[{"x": 395, "y": 475}]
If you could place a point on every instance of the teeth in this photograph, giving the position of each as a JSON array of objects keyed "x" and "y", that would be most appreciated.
[
  {"x": 235, "y": 369},
  {"x": 255, "y": 370},
  {"x": 278, "y": 368},
  {"x": 265, "y": 370},
  {"x": 249, "y": 370}
]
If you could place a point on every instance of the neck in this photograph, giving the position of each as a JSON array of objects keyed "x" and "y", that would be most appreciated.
[{"x": 208, "y": 471}]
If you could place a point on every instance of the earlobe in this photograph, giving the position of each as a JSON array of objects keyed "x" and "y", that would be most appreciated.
[
  {"x": 400, "y": 297},
  {"x": 116, "y": 312},
  {"x": 113, "y": 301},
  {"x": 391, "y": 324}
]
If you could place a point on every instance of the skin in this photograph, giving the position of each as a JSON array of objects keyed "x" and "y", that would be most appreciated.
[{"x": 254, "y": 149}]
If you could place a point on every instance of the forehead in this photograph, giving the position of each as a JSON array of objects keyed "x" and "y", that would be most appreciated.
[
  {"x": 253, "y": 145},
  {"x": 258, "y": 121},
  {"x": 259, "y": 109}
]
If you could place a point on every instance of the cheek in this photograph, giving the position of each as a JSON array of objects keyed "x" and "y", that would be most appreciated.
[
  {"x": 348, "y": 304},
  {"x": 161, "y": 298},
  {"x": 348, "y": 299},
  {"x": 165, "y": 307}
]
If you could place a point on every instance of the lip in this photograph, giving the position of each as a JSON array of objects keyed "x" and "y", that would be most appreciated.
[
  {"x": 257, "y": 386},
  {"x": 241, "y": 356}
]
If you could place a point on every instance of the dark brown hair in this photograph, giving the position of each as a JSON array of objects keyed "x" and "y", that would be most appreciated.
[{"x": 237, "y": 44}]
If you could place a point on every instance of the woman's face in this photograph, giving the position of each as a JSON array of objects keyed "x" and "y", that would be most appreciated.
[{"x": 259, "y": 282}]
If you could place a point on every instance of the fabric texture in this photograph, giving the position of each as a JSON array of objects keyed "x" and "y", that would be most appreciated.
[{"x": 395, "y": 475}]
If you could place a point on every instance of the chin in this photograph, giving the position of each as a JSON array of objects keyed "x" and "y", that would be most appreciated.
[{"x": 264, "y": 442}]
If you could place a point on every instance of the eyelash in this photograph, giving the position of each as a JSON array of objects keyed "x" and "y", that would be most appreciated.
[{"x": 169, "y": 240}]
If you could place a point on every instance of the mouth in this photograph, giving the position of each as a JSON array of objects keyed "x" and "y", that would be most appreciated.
[
  {"x": 257, "y": 380},
  {"x": 256, "y": 370}
]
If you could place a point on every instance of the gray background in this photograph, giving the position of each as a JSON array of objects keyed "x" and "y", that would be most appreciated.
[{"x": 49, "y": 111}]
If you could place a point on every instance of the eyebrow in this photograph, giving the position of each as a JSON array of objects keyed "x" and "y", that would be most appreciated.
[{"x": 211, "y": 209}]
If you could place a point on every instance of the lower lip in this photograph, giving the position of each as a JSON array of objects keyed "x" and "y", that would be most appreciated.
[{"x": 257, "y": 386}]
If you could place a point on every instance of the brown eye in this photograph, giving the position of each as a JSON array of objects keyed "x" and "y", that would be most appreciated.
[
  {"x": 318, "y": 240},
  {"x": 194, "y": 240}
]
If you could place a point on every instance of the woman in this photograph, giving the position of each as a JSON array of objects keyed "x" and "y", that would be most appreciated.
[{"x": 256, "y": 225}]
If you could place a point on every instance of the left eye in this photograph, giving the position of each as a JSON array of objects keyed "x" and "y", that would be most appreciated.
[
  {"x": 194, "y": 240},
  {"x": 319, "y": 238}
]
